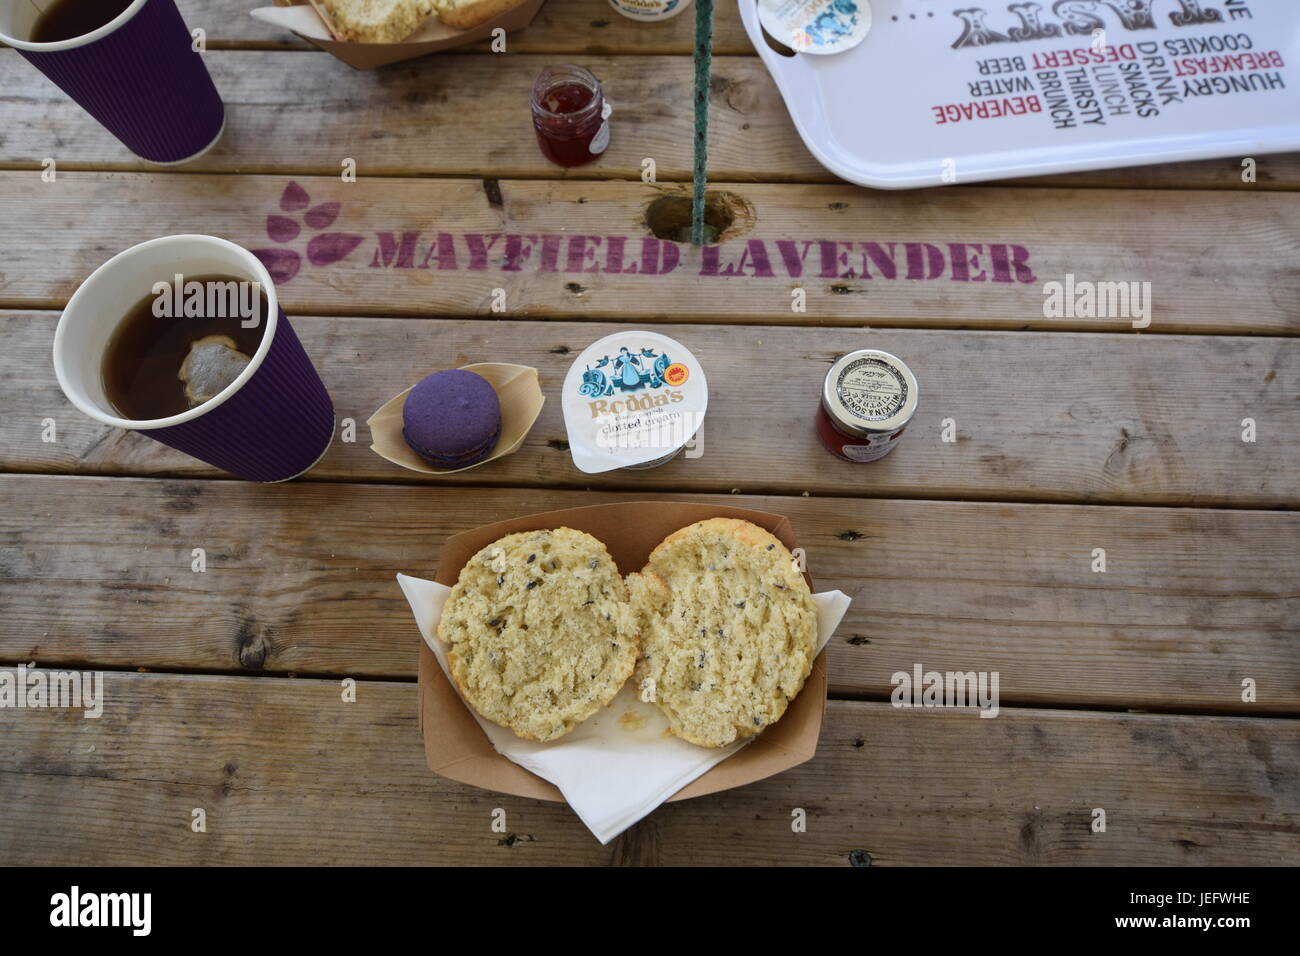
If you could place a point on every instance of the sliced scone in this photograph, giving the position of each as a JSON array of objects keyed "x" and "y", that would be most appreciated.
[
  {"x": 539, "y": 631},
  {"x": 730, "y": 639},
  {"x": 467, "y": 14},
  {"x": 376, "y": 21},
  {"x": 648, "y": 597}
]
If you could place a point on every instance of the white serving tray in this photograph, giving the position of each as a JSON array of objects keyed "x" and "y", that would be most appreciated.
[{"x": 869, "y": 114}]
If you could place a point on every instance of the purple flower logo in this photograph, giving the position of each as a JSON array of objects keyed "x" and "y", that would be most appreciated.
[{"x": 323, "y": 249}]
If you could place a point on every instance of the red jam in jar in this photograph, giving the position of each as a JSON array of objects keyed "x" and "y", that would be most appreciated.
[
  {"x": 868, "y": 398},
  {"x": 570, "y": 115}
]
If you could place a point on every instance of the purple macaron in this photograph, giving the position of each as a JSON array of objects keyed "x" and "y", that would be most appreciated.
[{"x": 452, "y": 419}]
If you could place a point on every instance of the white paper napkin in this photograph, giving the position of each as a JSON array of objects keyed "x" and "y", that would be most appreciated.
[
  {"x": 301, "y": 19},
  {"x": 618, "y": 765}
]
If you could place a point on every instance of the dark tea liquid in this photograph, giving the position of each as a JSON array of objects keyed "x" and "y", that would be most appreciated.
[
  {"x": 66, "y": 19},
  {"x": 144, "y": 356}
]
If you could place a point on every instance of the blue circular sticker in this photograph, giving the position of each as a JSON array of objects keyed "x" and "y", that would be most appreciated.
[{"x": 816, "y": 26}]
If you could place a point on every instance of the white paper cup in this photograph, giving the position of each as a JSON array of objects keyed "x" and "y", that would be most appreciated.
[
  {"x": 138, "y": 75},
  {"x": 272, "y": 423}
]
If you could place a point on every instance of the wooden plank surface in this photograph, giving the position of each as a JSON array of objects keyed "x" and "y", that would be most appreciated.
[
  {"x": 561, "y": 26},
  {"x": 410, "y": 119},
  {"x": 586, "y": 27},
  {"x": 1054, "y": 428},
  {"x": 454, "y": 114},
  {"x": 1271, "y": 171},
  {"x": 300, "y": 578},
  {"x": 385, "y": 252},
  {"x": 288, "y": 774},
  {"x": 1079, "y": 417}
]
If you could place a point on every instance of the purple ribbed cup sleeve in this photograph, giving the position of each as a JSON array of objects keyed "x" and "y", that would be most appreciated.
[
  {"x": 145, "y": 83},
  {"x": 275, "y": 427}
]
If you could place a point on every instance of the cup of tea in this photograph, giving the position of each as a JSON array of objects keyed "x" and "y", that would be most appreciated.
[
  {"x": 182, "y": 339},
  {"x": 130, "y": 64}
]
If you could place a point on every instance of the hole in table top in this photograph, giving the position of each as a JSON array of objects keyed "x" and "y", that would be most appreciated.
[{"x": 726, "y": 215}]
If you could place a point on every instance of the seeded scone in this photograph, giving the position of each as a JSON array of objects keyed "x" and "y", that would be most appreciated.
[
  {"x": 647, "y": 597},
  {"x": 728, "y": 630},
  {"x": 467, "y": 14},
  {"x": 539, "y": 631},
  {"x": 377, "y": 21}
]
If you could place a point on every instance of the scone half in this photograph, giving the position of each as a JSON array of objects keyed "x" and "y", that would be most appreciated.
[
  {"x": 467, "y": 14},
  {"x": 729, "y": 639},
  {"x": 376, "y": 21},
  {"x": 538, "y": 631}
]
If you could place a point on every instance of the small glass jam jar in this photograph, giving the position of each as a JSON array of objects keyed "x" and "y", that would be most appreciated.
[
  {"x": 868, "y": 398},
  {"x": 570, "y": 115},
  {"x": 649, "y": 11}
]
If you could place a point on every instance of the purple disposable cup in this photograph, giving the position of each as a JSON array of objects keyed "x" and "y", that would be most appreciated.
[
  {"x": 138, "y": 74},
  {"x": 272, "y": 423}
]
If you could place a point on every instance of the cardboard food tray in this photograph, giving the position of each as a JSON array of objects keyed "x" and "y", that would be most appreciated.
[
  {"x": 456, "y": 747},
  {"x": 430, "y": 38}
]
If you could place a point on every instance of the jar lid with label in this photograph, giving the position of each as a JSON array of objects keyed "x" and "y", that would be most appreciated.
[
  {"x": 632, "y": 399},
  {"x": 649, "y": 10},
  {"x": 869, "y": 392}
]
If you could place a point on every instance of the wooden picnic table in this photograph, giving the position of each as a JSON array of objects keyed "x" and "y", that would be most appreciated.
[{"x": 1120, "y": 690}]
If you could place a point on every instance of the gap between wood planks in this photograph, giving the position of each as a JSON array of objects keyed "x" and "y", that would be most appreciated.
[
  {"x": 1099, "y": 180},
  {"x": 832, "y": 693},
  {"x": 936, "y": 324},
  {"x": 973, "y": 497},
  {"x": 482, "y": 49}
]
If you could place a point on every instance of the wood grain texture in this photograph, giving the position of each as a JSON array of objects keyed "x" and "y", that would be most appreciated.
[
  {"x": 533, "y": 245},
  {"x": 752, "y": 137},
  {"x": 288, "y": 774},
  {"x": 1272, "y": 171},
  {"x": 96, "y": 571},
  {"x": 300, "y": 578},
  {"x": 561, "y": 26},
  {"x": 410, "y": 119},
  {"x": 454, "y": 114},
  {"x": 1068, "y": 416}
]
